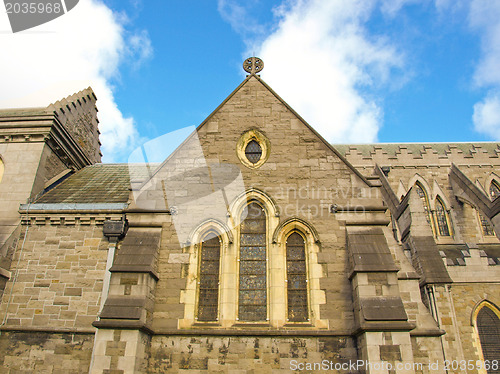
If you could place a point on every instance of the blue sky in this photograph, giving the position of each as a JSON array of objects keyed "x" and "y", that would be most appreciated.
[{"x": 357, "y": 70}]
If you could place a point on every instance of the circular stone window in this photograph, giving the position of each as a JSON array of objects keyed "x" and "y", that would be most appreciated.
[{"x": 253, "y": 149}]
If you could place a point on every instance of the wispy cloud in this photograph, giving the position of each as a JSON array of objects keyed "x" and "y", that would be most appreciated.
[
  {"x": 238, "y": 14},
  {"x": 392, "y": 7},
  {"x": 484, "y": 18},
  {"x": 322, "y": 60},
  {"x": 85, "y": 47}
]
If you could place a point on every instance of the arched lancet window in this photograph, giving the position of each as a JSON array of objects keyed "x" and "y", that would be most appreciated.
[
  {"x": 441, "y": 218},
  {"x": 208, "y": 289},
  {"x": 296, "y": 278},
  {"x": 425, "y": 201},
  {"x": 494, "y": 189},
  {"x": 486, "y": 227},
  {"x": 252, "y": 294},
  {"x": 488, "y": 328}
]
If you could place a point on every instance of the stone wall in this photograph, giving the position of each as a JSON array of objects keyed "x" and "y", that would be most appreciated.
[
  {"x": 301, "y": 184},
  {"x": 52, "y": 165},
  {"x": 240, "y": 355},
  {"x": 78, "y": 114},
  {"x": 44, "y": 352},
  {"x": 431, "y": 167},
  {"x": 21, "y": 162},
  {"x": 57, "y": 278}
]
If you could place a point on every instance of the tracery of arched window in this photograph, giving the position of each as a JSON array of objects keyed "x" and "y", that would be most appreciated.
[
  {"x": 252, "y": 294},
  {"x": 486, "y": 226},
  {"x": 488, "y": 328},
  {"x": 208, "y": 285},
  {"x": 494, "y": 190},
  {"x": 296, "y": 278},
  {"x": 425, "y": 201},
  {"x": 442, "y": 219}
]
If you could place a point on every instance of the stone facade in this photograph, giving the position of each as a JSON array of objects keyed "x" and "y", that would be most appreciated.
[{"x": 107, "y": 270}]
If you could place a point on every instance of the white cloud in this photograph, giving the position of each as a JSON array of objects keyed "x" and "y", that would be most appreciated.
[
  {"x": 321, "y": 58},
  {"x": 238, "y": 14},
  {"x": 392, "y": 7},
  {"x": 486, "y": 116},
  {"x": 83, "y": 48},
  {"x": 484, "y": 18}
]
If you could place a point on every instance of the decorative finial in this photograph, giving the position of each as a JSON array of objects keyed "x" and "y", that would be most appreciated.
[{"x": 253, "y": 65}]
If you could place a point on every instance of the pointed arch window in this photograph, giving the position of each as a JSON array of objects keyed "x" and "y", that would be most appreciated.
[
  {"x": 494, "y": 189},
  {"x": 442, "y": 218},
  {"x": 252, "y": 294},
  {"x": 425, "y": 201},
  {"x": 296, "y": 278},
  {"x": 486, "y": 227},
  {"x": 488, "y": 328},
  {"x": 208, "y": 289}
]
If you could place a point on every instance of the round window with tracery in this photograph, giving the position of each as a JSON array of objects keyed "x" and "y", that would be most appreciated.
[{"x": 253, "y": 151}]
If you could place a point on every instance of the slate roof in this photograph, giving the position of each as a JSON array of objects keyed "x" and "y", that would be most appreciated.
[
  {"x": 99, "y": 183},
  {"x": 492, "y": 148},
  {"x": 110, "y": 183}
]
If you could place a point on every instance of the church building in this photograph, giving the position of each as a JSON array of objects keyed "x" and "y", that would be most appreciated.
[{"x": 255, "y": 247}]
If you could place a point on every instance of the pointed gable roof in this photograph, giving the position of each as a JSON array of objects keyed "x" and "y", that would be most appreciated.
[{"x": 302, "y": 120}]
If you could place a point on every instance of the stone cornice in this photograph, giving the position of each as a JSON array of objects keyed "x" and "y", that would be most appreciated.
[
  {"x": 70, "y": 219},
  {"x": 42, "y": 126},
  {"x": 465, "y": 190}
]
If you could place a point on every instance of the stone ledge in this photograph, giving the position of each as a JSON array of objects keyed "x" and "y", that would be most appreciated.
[
  {"x": 123, "y": 324},
  {"x": 123, "y": 268},
  {"x": 381, "y": 326},
  {"x": 251, "y": 332},
  {"x": 55, "y": 330},
  {"x": 426, "y": 332},
  {"x": 5, "y": 273}
]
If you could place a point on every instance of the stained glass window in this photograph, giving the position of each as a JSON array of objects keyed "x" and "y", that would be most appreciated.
[
  {"x": 423, "y": 196},
  {"x": 252, "y": 296},
  {"x": 488, "y": 327},
  {"x": 253, "y": 151},
  {"x": 494, "y": 190},
  {"x": 442, "y": 221},
  {"x": 208, "y": 295},
  {"x": 296, "y": 278},
  {"x": 486, "y": 226}
]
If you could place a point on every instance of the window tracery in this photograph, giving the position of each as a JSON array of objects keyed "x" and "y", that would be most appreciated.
[
  {"x": 297, "y": 304},
  {"x": 442, "y": 218},
  {"x": 425, "y": 201},
  {"x": 486, "y": 227},
  {"x": 488, "y": 329},
  {"x": 208, "y": 285},
  {"x": 494, "y": 189},
  {"x": 260, "y": 280},
  {"x": 252, "y": 291}
]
